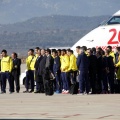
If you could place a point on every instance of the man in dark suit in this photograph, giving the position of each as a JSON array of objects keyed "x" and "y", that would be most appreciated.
[
  {"x": 83, "y": 65},
  {"x": 92, "y": 69},
  {"x": 48, "y": 73},
  {"x": 42, "y": 64},
  {"x": 41, "y": 68},
  {"x": 56, "y": 71},
  {"x": 49, "y": 60},
  {"x": 99, "y": 71},
  {"x": 110, "y": 70},
  {"x": 39, "y": 80},
  {"x": 15, "y": 72}
]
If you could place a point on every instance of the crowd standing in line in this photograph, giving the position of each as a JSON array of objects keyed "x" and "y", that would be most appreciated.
[{"x": 93, "y": 71}]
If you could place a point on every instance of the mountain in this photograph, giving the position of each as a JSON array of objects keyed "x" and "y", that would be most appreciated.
[
  {"x": 54, "y": 22},
  {"x": 12, "y": 11},
  {"x": 49, "y": 31}
]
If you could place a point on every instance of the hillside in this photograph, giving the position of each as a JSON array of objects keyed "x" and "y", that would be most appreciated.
[{"x": 46, "y": 31}]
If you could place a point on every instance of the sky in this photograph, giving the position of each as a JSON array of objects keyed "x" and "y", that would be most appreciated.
[{"x": 12, "y": 11}]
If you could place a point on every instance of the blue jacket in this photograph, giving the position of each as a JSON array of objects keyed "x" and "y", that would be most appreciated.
[
  {"x": 56, "y": 65},
  {"x": 83, "y": 62}
]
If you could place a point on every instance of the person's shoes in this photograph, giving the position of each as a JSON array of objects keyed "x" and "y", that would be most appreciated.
[
  {"x": 80, "y": 94},
  {"x": 57, "y": 92},
  {"x": 63, "y": 91},
  {"x": 66, "y": 92},
  {"x": 26, "y": 91},
  {"x": 37, "y": 92},
  {"x": 2, "y": 92},
  {"x": 87, "y": 94},
  {"x": 10, "y": 92},
  {"x": 31, "y": 91},
  {"x": 42, "y": 91},
  {"x": 17, "y": 91}
]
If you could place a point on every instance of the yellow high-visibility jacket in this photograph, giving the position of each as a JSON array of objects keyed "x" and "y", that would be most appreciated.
[
  {"x": 36, "y": 56},
  {"x": 118, "y": 71},
  {"x": 112, "y": 55},
  {"x": 53, "y": 57},
  {"x": 30, "y": 62},
  {"x": 65, "y": 62},
  {"x": 60, "y": 58},
  {"x": 73, "y": 65},
  {"x": 6, "y": 64}
]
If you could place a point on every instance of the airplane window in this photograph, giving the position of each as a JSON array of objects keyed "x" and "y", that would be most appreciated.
[{"x": 114, "y": 20}]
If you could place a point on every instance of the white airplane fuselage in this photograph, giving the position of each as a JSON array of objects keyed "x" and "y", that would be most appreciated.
[{"x": 102, "y": 36}]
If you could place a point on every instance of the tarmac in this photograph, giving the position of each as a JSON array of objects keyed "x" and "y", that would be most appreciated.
[{"x": 59, "y": 106}]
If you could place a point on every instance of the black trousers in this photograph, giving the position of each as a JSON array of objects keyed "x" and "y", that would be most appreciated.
[
  {"x": 15, "y": 79},
  {"x": 111, "y": 81},
  {"x": 39, "y": 83},
  {"x": 99, "y": 82},
  {"x": 92, "y": 78},
  {"x": 6, "y": 76}
]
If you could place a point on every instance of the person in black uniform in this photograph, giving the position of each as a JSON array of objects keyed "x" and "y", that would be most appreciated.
[
  {"x": 39, "y": 80},
  {"x": 110, "y": 70},
  {"x": 56, "y": 71},
  {"x": 104, "y": 74},
  {"x": 16, "y": 70},
  {"x": 92, "y": 69},
  {"x": 83, "y": 66},
  {"x": 99, "y": 71}
]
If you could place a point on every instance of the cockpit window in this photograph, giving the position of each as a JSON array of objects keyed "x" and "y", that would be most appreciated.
[{"x": 114, "y": 20}]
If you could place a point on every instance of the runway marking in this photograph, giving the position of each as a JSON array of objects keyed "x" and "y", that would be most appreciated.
[
  {"x": 42, "y": 114},
  {"x": 68, "y": 116},
  {"x": 105, "y": 116}
]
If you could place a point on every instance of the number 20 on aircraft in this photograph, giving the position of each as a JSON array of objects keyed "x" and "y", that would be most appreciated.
[{"x": 112, "y": 39}]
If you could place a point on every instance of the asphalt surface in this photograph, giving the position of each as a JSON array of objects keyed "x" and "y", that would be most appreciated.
[{"x": 59, "y": 106}]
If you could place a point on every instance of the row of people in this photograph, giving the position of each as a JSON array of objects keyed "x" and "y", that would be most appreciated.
[
  {"x": 10, "y": 70},
  {"x": 93, "y": 69}
]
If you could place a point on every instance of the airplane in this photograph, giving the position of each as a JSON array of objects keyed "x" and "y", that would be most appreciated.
[{"x": 107, "y": 34}]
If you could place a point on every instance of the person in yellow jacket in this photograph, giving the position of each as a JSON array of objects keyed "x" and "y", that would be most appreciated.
[
  {"x": 30, "y": 62},
  {"x": 118, "y": 69},
  {"x": 112, "y": 54},
  {"x": 72, "y": 67},
  {"x": 64, "y": 71},
  {"x": 6, "y": 68},
  {"x": 118, "y": 74}
]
